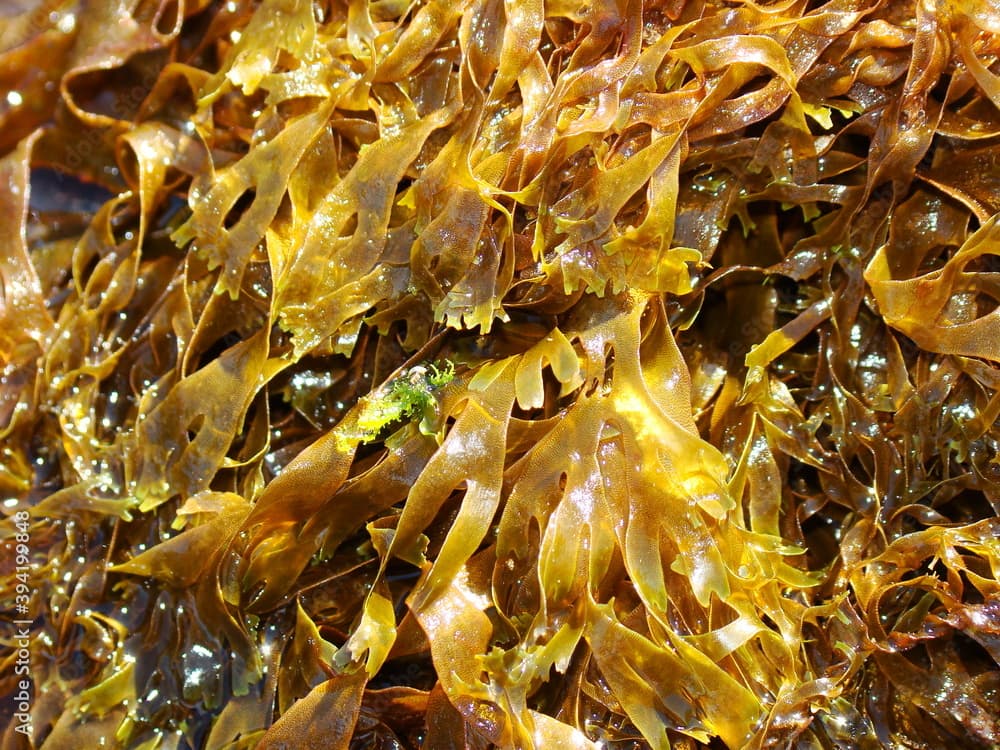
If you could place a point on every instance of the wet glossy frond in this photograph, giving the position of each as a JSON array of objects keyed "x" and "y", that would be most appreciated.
[{"x": 478, "y": 374}]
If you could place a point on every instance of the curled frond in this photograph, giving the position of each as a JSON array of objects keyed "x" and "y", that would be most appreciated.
[{"x": 541, "y": 374}]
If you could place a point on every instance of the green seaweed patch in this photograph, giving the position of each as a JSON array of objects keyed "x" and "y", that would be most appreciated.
[{"x": 410, "y": 395}]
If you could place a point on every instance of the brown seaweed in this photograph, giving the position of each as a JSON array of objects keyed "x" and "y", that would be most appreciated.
[{"x": 483, "y": 374}]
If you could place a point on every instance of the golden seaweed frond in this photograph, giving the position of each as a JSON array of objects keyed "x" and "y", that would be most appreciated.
[{"x": 475, "y": 374}]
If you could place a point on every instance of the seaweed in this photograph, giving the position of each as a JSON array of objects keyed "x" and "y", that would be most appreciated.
[{"x": 387, "y": 374}]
